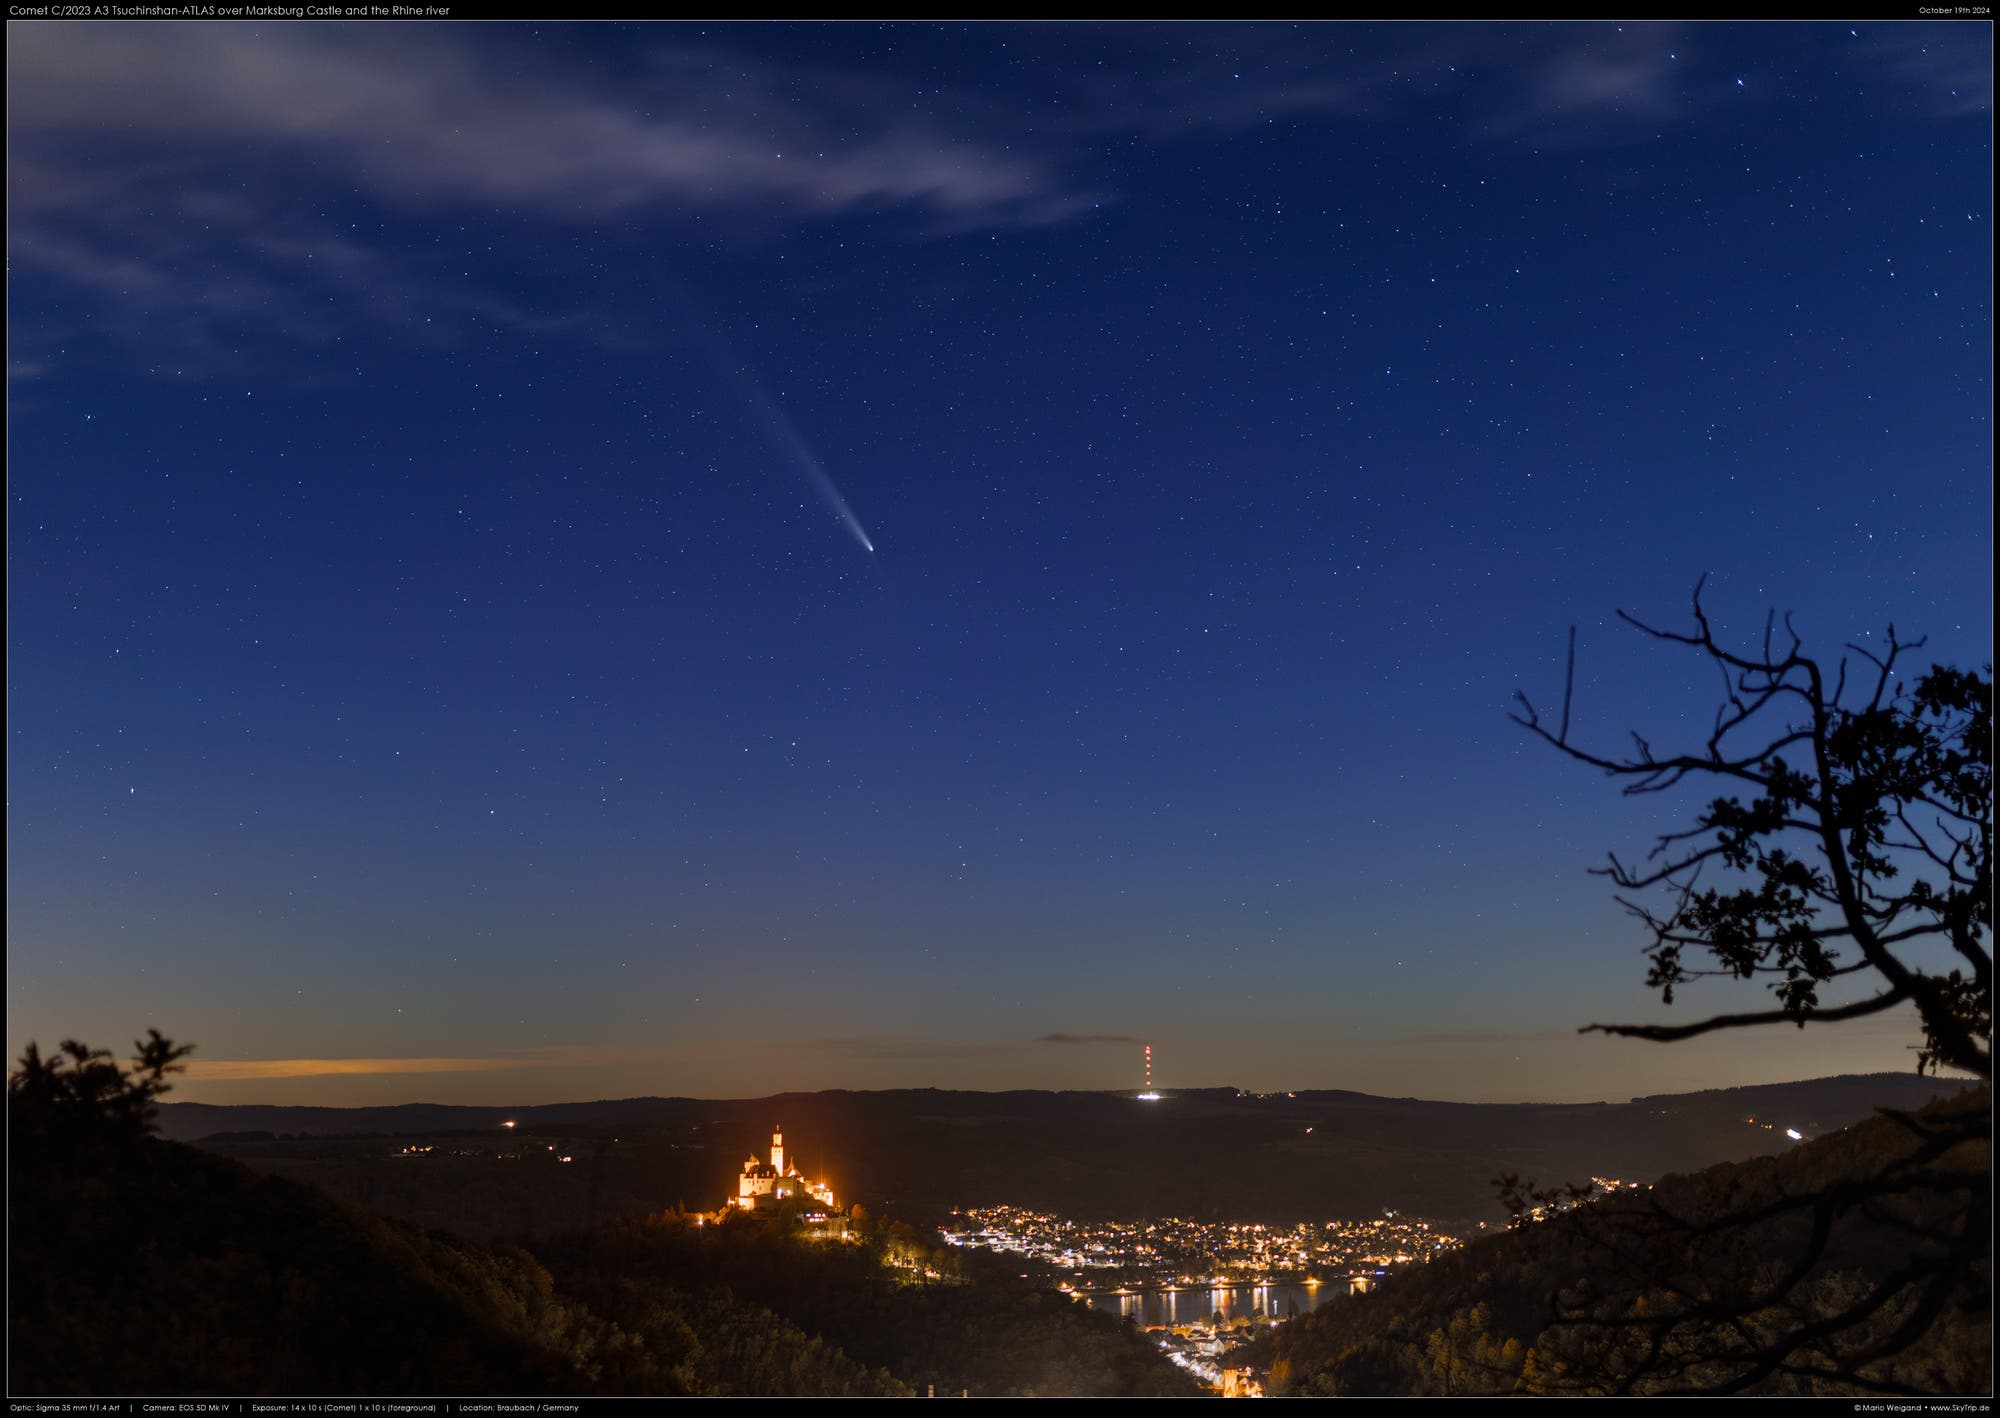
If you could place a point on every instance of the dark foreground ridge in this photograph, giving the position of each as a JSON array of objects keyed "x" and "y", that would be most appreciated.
[{"x": 1710, "y": 1282}]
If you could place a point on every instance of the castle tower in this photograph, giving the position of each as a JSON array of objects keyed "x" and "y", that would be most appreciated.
[{"x": 778, "y": 1151}]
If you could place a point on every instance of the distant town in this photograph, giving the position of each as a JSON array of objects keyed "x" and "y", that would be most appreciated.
[
  {"x": 1175, "y": 1251},
  {"x": 1198, "y": 1287}
]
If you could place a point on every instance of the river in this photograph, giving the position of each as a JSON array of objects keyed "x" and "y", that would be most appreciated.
[{"x": 1197, "y": 1304}]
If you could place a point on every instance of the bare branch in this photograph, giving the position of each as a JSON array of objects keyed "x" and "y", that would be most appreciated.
[{"x": 1671, "y": 1033}]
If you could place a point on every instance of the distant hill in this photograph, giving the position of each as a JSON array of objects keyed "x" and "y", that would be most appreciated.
[
  {"x": 1208, "y": 1153},
  {"x": 1901, "y": 1216}
]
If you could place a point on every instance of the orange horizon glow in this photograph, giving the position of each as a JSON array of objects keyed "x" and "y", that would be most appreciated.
[{"x": 231, "y": 1070}]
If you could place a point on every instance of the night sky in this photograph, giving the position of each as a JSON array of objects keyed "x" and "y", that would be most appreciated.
[{"x": 444, "y": 460}]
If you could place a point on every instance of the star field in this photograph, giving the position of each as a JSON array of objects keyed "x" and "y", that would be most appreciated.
[{"x": 429, "y": 638}]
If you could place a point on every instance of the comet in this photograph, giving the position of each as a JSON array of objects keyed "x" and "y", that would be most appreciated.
[
  {"x": 809, "y": 465},
  {"x": 764, "y": 408}
]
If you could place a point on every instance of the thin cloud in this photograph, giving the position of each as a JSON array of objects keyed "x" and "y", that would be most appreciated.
[
  {"x": 568, "y": 1056},
  {"x": 542, "y": 1056},
  {"x": 1483, "y": 1036},
  {"x": 420, "y": 119},
  {"x": 889, "y": 1048},
  {"x": 1600, "y": 84},
  {"x": 236, "y": 1070},
  {"x": 1090, "y": 1039},
  {"x": 164, "y": 170},
  {"x": 1949, "y": 73},
  {"x": 214, "y": 271},
  {"x": 160, "y": 170},
  {"x": 1446, "y": 1037}
]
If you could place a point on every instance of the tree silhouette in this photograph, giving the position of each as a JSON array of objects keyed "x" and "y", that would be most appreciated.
[
  {"x": 80, "y": 1089},
  {"x": 1865, "y": 846},
  {"x": 1856, "y": 848}
]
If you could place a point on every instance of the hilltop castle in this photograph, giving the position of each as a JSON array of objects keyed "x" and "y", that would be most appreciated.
[{"x": 765, "y": 1184}]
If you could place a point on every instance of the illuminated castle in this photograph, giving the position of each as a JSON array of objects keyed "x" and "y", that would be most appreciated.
[{"x": 767, "y": 1183}]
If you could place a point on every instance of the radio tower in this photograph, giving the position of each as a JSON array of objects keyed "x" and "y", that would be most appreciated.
[{"x": 1149, "y": 1096}]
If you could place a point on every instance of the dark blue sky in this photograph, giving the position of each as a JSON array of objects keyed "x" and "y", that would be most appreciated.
[{"x": 441, "y": 635}]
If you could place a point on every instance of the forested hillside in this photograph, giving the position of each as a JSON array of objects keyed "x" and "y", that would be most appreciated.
[
  {"x": 140, "y": 1267},
  {"x": 1860, "y": 1263}
]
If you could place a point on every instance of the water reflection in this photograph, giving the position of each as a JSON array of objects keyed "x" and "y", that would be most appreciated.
[{"x": 1199, "y": 1304}]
